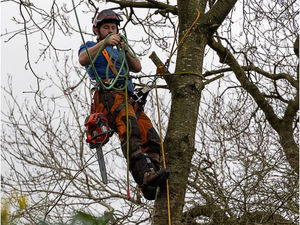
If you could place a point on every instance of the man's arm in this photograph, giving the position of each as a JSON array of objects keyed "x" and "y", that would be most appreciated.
[{"x": 133, "y": 63}]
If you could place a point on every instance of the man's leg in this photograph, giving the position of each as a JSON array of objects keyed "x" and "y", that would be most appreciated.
[
  {"x": 152, "y": 147},
  {"x": 150, "y": 140},
  {"x": 143, "y": 170}
]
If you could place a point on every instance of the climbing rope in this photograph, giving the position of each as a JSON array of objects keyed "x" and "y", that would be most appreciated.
[
  {"x": 162, "y": 70},
  {"x": 127, "y": 140},
  {"x": 163, "y": 153},
  {"x": 122, "y": 58},
  {"x": 182, "y": 39}
]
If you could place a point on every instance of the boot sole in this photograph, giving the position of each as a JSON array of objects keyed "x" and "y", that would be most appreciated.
[{"x": 160, "y": 178}]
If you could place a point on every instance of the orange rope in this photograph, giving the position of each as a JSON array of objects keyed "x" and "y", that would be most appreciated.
[
  {"x": 163, "y": 154},
  {"x": 184, "y": 36}
]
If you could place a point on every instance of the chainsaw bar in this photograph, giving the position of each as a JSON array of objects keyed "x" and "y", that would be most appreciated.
[{"x": 102, "y": 164}]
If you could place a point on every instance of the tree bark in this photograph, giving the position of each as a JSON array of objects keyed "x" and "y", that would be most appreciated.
[{"x": 186, "y": 93}]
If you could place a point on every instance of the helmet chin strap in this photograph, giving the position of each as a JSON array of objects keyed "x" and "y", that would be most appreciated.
[{"x": 99, "y": 38}]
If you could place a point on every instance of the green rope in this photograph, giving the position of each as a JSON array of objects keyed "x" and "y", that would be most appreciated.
[{"x": 127, "y": 141}]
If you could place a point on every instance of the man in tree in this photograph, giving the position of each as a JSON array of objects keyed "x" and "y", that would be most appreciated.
[{"x": 144, "y": 143}]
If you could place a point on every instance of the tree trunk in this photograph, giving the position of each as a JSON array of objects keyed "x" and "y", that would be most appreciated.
[
  {"x": 186, "y": 93},
  {"x": 180, "y": 138}
]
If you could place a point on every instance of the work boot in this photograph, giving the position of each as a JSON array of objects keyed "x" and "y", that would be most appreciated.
[
  {"x": 155, "y": 160},
  {"x": 151, "y": 181},
  {"x": 155, "y": 179},
  {"x": 149, "y": 192}
]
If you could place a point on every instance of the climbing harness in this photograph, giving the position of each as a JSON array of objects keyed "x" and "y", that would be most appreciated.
[
  {"x": 140, "y": 97},
  {"x": 111, "y": 65},
  {"x": 94, "y": 121}
]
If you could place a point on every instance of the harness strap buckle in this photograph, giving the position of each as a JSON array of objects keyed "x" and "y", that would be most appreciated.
[{"x": 142, "y": 93}]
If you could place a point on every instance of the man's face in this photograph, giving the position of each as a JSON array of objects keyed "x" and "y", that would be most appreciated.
[{"x": 107, "y": 28}]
